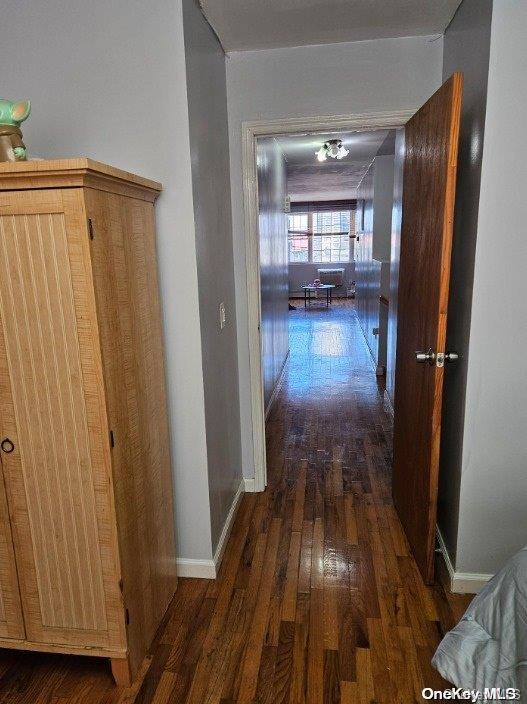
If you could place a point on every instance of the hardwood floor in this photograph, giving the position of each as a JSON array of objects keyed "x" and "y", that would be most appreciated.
[{"x": 318, "y": 600}]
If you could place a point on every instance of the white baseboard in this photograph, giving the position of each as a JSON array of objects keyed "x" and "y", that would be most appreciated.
[
  {"x": 277, "y": 386},
  {"x": 208, "y": 569},
  {"x": 469, "y": 582},
  {"x": 388, "y": 405},
  {"x": 227, "y": 526},
  {"x": 249, "y": 485},
  {"x": 202, "y": 569},
  {"x": 461, "y": 582}
]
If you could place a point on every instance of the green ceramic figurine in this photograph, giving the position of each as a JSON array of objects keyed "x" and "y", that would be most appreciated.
[{"x": 12, "y": 147}]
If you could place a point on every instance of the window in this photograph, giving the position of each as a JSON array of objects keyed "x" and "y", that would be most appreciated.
[
  {"x": 299, "y": 238},
  {"x": 331, "y": 242},
  {"x": 320, "y": 237}
]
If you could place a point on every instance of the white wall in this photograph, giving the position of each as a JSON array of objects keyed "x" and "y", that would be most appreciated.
[
  {"x": 107, "y": 80},
  {"x": 466, "y": 49},
  {"x": 395, "y": 255},
  {"x": 272, "y": 226},
  {"x": 383, "y": 167},
  {"x": 375, "y": 196},
  {"x": 209, "y": 149},
  {"x": 369, "y": 76},
  {"x": 493, "y": 516}
]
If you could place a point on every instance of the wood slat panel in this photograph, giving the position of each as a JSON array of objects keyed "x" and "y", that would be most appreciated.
[
  {"x": 53, "y": 409},
  {"x": 11, "y": 620}
]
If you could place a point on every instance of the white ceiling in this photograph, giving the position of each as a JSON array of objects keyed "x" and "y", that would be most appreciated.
[
  {"x": 264, "y": 24},
  {"x": 309, "y": 179}
]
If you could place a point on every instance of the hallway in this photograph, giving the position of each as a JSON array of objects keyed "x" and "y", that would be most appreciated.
[
  {"x": 317, "y": 600},
  {"x": 365, "y": 625}
]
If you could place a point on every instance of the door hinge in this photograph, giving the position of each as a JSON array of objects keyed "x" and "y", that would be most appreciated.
[
  {"x": 90, "y": 228},
  {"x": 112, "y": 441},
  {"x": 127, "y": 617}
]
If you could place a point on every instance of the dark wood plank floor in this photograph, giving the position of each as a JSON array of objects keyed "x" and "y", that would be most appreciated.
[{"x": 318, "y": 600}]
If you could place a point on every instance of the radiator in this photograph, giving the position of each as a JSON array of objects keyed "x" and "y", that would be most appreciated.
[{"x": 332, "y": 276}]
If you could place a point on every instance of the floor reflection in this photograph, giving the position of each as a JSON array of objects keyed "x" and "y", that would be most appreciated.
[{"x": 328, "y": 354}]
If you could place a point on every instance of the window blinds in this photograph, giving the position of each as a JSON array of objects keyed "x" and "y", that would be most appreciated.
[{"x": 322, "y": 206}]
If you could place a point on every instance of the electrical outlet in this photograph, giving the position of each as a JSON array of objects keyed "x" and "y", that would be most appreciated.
[{"x": 222, "y": 315}]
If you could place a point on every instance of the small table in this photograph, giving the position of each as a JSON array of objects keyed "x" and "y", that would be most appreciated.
[{"x": 328, "y": 288}]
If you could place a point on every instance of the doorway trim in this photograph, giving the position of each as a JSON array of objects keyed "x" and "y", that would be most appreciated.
[{"x": 251, "y": 131}]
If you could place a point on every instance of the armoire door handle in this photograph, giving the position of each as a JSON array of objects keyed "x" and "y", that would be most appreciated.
[{"x": 7, "y": 445}]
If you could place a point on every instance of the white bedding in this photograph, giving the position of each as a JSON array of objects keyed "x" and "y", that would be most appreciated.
[{"x": 488, "y": 647}]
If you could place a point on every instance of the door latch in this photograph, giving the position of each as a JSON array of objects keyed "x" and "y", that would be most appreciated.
[{"x": 447, "y": 357}]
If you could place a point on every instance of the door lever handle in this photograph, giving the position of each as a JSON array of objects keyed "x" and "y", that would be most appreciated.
[
  {"x": 423, "y": 357},
  {"x": 438, "y": 358}
]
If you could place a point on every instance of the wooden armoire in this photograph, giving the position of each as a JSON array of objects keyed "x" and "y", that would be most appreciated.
[{"x": 87, "y": 546}]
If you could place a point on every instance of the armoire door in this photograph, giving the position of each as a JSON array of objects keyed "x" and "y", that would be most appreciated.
[
  {"x": 56, "y": 459},
  {"x": 11, "y": 620}
]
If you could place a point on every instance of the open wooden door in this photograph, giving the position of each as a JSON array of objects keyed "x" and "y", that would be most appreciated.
[{"x": 431, "y": 146}]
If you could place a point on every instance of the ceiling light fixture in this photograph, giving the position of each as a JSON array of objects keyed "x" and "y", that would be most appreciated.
[{"x": 333, "y": 148}]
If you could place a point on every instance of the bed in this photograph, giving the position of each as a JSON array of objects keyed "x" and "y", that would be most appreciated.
[{"x": 488, "y": 647}]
